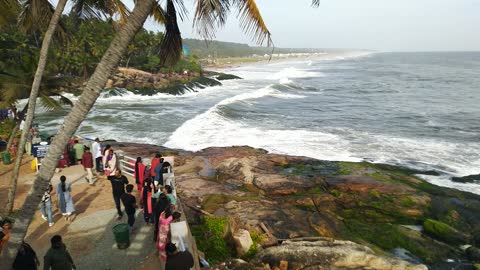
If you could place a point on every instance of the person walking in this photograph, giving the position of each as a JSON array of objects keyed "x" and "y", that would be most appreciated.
[
  {"x": 178, "y": 260},
  {"x": 46, "y": 206},
  {"x": 57, "y": 257},
  {"x": 97, "y": 155},
  {"x": 87, "y": 162},
  {"x": 26, "y": 258},
  {"x": 139, "y": 173},
  {"x": 130, "y": 204},
  {"x": 78, "y": 149},
  {"x": 118, "y": 189},
  {"x": 65, "y": 201}
]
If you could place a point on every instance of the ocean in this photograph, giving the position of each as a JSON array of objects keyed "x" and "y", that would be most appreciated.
[{"x": 418, "y": 110}]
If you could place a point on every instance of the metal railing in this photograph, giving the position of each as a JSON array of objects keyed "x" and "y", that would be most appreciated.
[{"x": 127, "y": 165}]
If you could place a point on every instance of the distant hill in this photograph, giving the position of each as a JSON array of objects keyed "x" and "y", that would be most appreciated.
[{"x": 221, "y": 49}]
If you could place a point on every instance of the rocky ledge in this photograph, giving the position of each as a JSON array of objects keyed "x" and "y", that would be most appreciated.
[{"x": 392, "y": 214}]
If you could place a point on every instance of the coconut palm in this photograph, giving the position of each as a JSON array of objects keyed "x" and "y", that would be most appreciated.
[{"x": 214, "y": 15}]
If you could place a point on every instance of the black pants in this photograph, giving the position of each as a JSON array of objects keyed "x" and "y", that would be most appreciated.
[
  {"x": 98, "y": 164},
  {"x": 116, "y": 198},
  {"x": 131, "y": 218}
]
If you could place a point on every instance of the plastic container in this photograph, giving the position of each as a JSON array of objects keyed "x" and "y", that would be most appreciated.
[
  {"x": 6, "y": 158},
  {"x": 122, "y": 235}
]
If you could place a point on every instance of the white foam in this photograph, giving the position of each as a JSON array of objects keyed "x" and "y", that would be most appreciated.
[{"x": 292, "y": 72}]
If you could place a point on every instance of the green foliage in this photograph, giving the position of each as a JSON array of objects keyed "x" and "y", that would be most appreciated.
[
  {"x": 374, "y": 193},
  {"x": 210, "y": 238},
  {"x": 335, "y": 192},
  {"x": 6, "y": 128},
  {"x": 256, "y": 239}
]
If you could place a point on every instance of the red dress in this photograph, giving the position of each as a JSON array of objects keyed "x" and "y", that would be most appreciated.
[{"x": 141, "y": 175}]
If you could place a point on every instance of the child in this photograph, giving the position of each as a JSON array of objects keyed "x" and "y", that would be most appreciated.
[{"x": 46, "y": 206}]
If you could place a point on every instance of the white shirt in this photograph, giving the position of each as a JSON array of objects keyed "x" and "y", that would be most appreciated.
[{"x": 96, "y": 150}]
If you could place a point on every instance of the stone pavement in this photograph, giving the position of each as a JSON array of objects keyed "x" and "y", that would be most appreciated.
[{"x": 88, "y": 236}]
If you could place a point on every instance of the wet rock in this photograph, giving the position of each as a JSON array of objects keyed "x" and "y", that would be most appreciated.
[{"x": 327, "y": 252}]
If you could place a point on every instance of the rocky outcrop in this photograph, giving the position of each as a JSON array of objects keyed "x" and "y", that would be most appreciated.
[
  {"x": 302, "y": 197},
  {"x": 328, "y": 253}
]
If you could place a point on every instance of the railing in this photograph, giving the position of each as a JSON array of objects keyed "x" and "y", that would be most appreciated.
[{"x": 127, "y": 165}]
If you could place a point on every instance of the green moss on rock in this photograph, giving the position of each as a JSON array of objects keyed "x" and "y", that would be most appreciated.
[{"x": 443, "y": 232}]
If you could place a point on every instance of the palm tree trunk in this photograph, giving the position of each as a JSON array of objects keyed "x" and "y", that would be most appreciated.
[
  {"x": 42, "y": 62},
  {"x": 73, "y": 120}
]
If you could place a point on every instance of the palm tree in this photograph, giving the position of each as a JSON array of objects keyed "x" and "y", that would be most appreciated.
[
  {"x": 42, "y": 62},
  {"x": 251, "y": 22}
]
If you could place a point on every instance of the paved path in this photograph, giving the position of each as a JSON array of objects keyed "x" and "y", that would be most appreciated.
[{"x": 89, "y": 236}]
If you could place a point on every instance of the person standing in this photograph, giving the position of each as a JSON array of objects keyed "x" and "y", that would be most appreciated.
[
  {"x": 57, "y": 257},
  {"x": 163, "y": 232},
  {"x": 146, "y": 200},
  {"x": 154, "y": 163},
  {"x": 111, "y": 163},
  {"x": 79, "y": 149},
  {"x": 26, "y": 258},
  {"x": 130, "y": 205},
  {"x": 159, "y": 173},
  {"x": 176, "y": 260},
  {"x": 65, "y": 201},
  {"x": 46, "y": 206},
  {"x": 118, "y": 189},
  {"x": 97, "y": 155},
  {"x": 87, "y": 162},
  {"x": 139, "y": 173}
]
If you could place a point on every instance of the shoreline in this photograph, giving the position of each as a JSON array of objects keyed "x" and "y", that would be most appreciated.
[{"x": 226, "y": 63}]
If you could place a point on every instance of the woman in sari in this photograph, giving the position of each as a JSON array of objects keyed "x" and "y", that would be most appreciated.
[
  {"x": 163, "y": 231},
  {"x": 65, "y": 201},
  {"x": 139, "y": 173},
  {"x": 111, "y": 163}
]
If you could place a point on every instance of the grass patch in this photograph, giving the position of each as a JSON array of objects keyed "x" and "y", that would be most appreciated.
[
  {"x": 209, "y": 237},
  {"x": 214, "y": 201}
]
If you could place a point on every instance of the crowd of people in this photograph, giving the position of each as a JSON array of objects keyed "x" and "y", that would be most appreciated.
[{"x": 155, "y": 199}]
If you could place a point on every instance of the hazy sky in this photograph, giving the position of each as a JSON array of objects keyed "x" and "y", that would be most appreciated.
[{"x": 401, "y": 25}]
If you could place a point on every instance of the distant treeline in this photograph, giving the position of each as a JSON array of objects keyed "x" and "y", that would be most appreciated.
[{"x": 222, "y": 49}]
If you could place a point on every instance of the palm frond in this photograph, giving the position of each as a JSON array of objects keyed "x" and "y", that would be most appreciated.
[
  {"x": 171, "y": 46},
  {"x": 35, "y": 15},
  {"x": 9, "y": 11},
  {"x": 49, "y": 103},
  {"x": 315, "y": 3},
  {"x": 118, "y": 7},
  {"x": 85, "y": 9},
  {"x": 158, "y": 14},
  {"x": 251, "y": 21},
  {"x": 209, "y": 15}
]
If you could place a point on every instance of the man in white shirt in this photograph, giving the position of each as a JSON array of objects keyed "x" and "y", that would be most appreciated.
[{"x": 97, "y": 155}]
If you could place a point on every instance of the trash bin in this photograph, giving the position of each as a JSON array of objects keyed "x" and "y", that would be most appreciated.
[
  {"x": 6, "y": 158},
  {"x": 122, "y": 235}
]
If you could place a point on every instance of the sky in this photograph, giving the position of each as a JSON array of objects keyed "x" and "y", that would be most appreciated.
[{"x": 402, "y": 25}]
